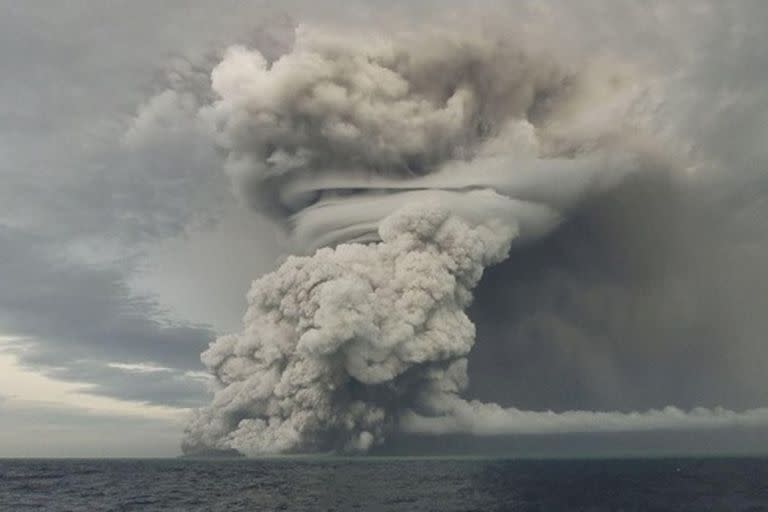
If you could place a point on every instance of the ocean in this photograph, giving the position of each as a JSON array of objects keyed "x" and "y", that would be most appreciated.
[{"x": 385, "y": 484}]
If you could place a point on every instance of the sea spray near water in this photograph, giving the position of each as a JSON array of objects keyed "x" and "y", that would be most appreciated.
[{"x": 412, "y": 164}]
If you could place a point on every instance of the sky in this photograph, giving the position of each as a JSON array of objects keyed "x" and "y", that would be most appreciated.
[{"x": 124, "y": 251}]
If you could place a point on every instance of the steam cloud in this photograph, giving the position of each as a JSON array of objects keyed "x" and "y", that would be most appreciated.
[{"x": 404, "y": 167}]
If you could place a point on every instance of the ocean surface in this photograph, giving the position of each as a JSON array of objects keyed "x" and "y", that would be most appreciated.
[{"x": 385, "y": 484}]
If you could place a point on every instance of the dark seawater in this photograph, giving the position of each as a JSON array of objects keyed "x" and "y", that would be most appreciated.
[{"x": 383, "y": 484}]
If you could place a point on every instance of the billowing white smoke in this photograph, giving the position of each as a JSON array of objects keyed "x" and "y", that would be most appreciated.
[
  {"x": 335, "y": 341},
  {"x": 412, "y": 164}
]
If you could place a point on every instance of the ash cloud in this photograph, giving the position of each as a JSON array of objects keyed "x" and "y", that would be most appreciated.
[
  {"x": 404, "y": 167},
  {"x": 341, "y": 131}
]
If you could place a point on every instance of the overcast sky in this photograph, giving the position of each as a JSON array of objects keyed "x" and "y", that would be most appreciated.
[{"x": 123, "y": 251}]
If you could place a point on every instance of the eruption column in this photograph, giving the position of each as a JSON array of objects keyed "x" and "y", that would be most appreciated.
[{"x": 404, "y": 167}]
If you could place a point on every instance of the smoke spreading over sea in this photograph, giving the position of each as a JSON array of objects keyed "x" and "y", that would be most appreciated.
[{"x": 564, "y": 193}]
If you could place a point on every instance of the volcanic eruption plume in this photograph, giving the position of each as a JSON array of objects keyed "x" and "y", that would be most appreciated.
[{"x": 403, "y": 167}]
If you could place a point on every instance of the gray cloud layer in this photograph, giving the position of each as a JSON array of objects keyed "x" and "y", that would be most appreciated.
[
  {"x": 78, "y": 318},
  {"x": 81, "y": 204}
]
